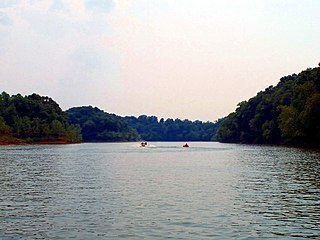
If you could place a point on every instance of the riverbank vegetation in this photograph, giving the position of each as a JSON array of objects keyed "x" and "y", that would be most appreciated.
[
  {"x": 39, "y": 119},
  {"x": 34, "y": 119},
  {"x": 99, "y": 126},
  {"x": 152, "y": 129},
  {"x": 288, "y": 113}
]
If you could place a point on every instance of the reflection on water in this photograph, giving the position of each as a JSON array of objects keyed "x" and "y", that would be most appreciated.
[{"x": 122, "y": 191}]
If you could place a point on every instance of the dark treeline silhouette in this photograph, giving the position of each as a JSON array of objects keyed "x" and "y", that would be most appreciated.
[
  {"x": 34, "y": 118},
  {"x": 287, "y": 113},
  {"x": 99, "y": 126},
  {"x": 152, "y": 129}
]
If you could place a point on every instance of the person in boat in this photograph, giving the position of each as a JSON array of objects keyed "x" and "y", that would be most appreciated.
[
  {"x": 144, "y": 144},
  {"x": 185, "y": 145}
]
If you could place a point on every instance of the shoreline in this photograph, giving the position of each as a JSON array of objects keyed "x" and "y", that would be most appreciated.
[{"x": 14, "y": 141}]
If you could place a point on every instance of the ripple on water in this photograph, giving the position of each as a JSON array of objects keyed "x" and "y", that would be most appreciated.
[{"x": 120, "y": 191}]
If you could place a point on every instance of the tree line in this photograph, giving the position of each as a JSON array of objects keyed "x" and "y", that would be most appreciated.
[
  {"x": 35, "y": 118},
  {"x": 288, "y": 113},
  {"x": 151, "y": 128},
  {"x": 100, "y": 126}
]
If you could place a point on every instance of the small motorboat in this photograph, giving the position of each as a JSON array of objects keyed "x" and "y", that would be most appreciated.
[
  {"x": 185, "y": 145},
  {"x": 144, "y": 144}
]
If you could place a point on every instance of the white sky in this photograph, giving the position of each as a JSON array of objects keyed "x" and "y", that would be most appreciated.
[{"x": 192, "y": 59}]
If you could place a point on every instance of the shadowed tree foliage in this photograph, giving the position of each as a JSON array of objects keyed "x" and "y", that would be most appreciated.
[
  {"x": 287, "y": 113},
  {"x": 152, "y": 129},
  {"x": 4, "y": 128},
  {"x": 99, "y": 126},
  {"x": 35, "y": 118}
]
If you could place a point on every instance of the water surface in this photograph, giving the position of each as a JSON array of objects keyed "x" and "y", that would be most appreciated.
[{"x": 164, "y": 191}]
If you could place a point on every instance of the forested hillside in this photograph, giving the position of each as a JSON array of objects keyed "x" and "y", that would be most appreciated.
[
  {"x": 34, "y": 118},
  {"x": 287, "y": 113},
  {"x": 99, "y": 126},
  {"x": 152, "y": 129}
]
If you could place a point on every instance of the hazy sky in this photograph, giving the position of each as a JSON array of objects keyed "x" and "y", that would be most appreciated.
[{"x": 191, "y": 59}]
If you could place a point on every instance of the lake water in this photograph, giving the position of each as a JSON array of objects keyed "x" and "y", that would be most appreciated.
[{"x": 164, "y": 191}]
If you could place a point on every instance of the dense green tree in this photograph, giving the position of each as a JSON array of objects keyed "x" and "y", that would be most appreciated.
[
  {"x": 152, "y": 129},
  {"x": 4, "y": 128},
  {"x": 99, "y": 126},
  {"x": 35, "y": 118},
  {"x": 57, "y": 129},
  {"x": 287, "y": 113}
]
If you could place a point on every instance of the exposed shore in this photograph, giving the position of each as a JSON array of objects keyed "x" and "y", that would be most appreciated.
[{"x": 7, "y": 140}]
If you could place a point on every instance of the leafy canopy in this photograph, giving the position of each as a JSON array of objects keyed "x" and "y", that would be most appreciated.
[
  {"x": 287, "y": 113},
  {"x": 35, "y": 118}
]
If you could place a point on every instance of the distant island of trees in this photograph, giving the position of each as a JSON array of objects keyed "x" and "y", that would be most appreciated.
[{"x": 288, "y": 113}]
